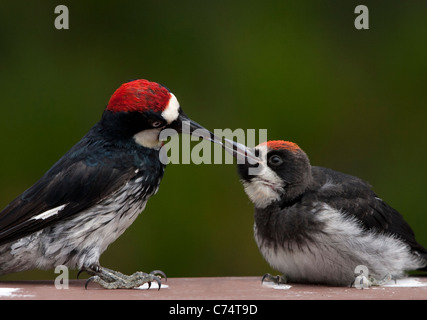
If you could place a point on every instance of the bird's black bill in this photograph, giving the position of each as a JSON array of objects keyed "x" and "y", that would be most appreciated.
[
  {"x": 241, "y": 152},
  {"x": 185, "y": 125}
]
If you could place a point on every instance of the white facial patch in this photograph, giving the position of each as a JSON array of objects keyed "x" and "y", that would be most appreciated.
[
  {"x": 171, "y": 113},
  {"x": 148, "y": 138},
  {"x": 266, "y": 186}
]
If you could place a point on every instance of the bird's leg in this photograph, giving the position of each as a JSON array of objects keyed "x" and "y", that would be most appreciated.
[
  {"x": 110, "y": 279},
  {"x": 279, "y": 279}
]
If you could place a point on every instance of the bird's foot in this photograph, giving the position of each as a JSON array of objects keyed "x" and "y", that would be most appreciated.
[
  {"x": 363, "y": 282},
  {"x": 388, "y": 277},
  {"x": 110, "y": 279},
  {"x": 279, "y": 279}
]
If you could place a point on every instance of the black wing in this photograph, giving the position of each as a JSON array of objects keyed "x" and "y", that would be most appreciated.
[
  {"x": 355, "y": 197},
  {"x": 80, "y": 179}
]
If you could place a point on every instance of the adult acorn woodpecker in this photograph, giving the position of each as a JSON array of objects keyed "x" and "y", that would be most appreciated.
[
  {"x": 96, "y": 190},
  {"x": 316, "y": 225}
]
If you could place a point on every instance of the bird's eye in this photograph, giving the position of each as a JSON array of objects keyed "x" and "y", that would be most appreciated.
[
  {"x": 156, "y": 124},
  {"x": 275, "y": 160}
]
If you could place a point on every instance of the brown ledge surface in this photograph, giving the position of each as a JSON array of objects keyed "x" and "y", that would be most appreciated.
[{"x": 221, "y": 288}]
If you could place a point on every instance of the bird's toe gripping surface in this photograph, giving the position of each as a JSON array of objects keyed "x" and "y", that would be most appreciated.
[
  {"x": 363, "y": 282},
  {"x": 279, "y": 279},
  {"x": 110, "y": 279}
]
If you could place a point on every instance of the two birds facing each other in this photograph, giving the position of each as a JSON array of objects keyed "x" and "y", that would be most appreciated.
[{"x": 311, "y": 223}]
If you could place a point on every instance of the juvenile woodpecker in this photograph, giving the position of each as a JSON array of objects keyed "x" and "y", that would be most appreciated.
[
  {"x": 316, "y": 225},
  {"x": 96, "y": 190}
]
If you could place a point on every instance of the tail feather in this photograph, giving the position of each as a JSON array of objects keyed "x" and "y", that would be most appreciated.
[{"x": 424, "y": 256}]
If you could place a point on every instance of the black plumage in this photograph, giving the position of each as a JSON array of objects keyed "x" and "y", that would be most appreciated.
[
  {"x": 90, "y": 171},
  {"x": 96, "y": 190}
]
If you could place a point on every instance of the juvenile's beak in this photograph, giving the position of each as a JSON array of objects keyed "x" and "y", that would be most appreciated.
[
  {"x": 185, "y": 125},
  {"x": 241, "y": 152}
]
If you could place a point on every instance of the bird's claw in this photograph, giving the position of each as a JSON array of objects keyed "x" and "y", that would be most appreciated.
[
  {"x": 279, "y": 279},
  {"x": 110, "y": 279},
  {"x": 89, "y": 280},
  {"x": 363, "y": 282},
  {"x": 159, "y": 272}
]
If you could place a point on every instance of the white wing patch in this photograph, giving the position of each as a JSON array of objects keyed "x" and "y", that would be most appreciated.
[{"x": 49, "y": 213}]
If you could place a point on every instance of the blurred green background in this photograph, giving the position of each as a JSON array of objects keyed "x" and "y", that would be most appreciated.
[{"x": 354, "y": 100}]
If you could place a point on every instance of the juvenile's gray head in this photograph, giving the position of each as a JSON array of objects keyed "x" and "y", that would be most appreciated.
[{"x": 284, "y": 173}]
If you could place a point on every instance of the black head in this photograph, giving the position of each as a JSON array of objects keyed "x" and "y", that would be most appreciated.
[{"x": 283, "y": 173}]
